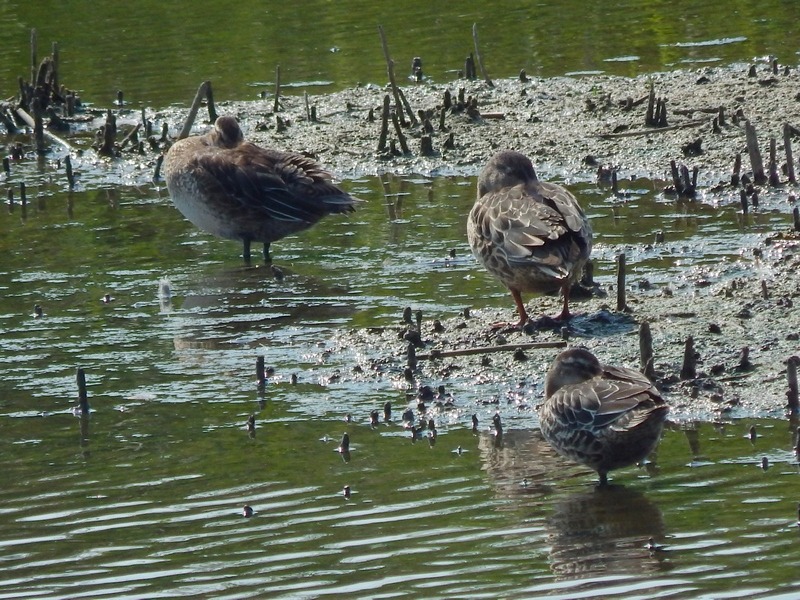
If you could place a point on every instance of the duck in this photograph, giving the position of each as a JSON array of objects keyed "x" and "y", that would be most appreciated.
[
  {"x": 601, "y": 416},
  {"x": 532, "y": 235},
  {"x": 237, "y": 190}
]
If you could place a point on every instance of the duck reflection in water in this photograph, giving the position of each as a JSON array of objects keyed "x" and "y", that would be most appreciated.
[
  {"x": 590, "y": 531},
  {"x": 607, "y": 529}
]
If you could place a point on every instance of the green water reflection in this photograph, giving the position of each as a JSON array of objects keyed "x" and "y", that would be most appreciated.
[
  {"x": 144, "y": 498},
  {"x": 158, "y": 53}
]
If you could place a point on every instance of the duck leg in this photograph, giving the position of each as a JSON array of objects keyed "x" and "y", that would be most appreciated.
[
  {"x": 523, "y": 314},
  {"x": 565, "y": 314}
]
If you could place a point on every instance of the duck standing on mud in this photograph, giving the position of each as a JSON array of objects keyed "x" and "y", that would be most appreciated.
[
  {"x": 239, "y": 191},
  {"x": 601, "y": 416},
  {"x": 532, "y": 235}
]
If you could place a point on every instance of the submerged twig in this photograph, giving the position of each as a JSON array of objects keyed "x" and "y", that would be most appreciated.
[{"x": 436, "y": 354}]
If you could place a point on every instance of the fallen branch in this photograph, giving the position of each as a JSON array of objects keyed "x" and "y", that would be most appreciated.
[
  {"x": 436, "y": 354},
  {"x": 636, "y": 132},
  {"x": 31, "y": 123}
]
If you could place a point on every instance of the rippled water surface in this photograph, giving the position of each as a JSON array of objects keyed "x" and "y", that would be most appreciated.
[{"x": 144, "y": 497}]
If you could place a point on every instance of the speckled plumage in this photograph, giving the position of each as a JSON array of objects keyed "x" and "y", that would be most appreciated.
[
  {"x": 598, "y": 415},
  {"x": 532, "y": 235},
  {"x": 239, "y": 191}
]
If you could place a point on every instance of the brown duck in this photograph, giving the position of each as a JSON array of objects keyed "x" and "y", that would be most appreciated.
[
  {"x": 239, "y": 191},
  {"x": 532, "y": 235},
  {"x": 601, "y": 416}
]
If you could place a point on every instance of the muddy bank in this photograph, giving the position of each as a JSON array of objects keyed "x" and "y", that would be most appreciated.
[
  {"x": 571, "y": 127},
  {"x": 758, "y": 313},
  {"x": 568, "y": 126}
]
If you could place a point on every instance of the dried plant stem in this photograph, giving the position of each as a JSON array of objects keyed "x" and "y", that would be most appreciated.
[{"x": 478, "y": 56}]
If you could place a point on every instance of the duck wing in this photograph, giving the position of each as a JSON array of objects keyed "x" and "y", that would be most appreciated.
[
  {"x": 280, "y": 185},
  {"x": 618, "y": 403},
  {"x": 549, "y": 232}
]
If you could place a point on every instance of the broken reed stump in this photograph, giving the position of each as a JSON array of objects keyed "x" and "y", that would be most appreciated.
[
  {"x": 737, "y": 169},
  {"x": 646, "y": 351},
  {"x": 384, "y": 123},
  {"x": 469, "y": 67},
  {"x": 689, "y": 366},
  {"x": 204, "y": 91},
  {"x": 656, "y": 114},
  {"x": 401, "y": 138},
  {"x": 621, "y": 303},
  {"x": 791, "y": 379},
  {"x": 83, "y": 396},
  {"x": 744, "y": 359},
  {"x": 479, "y": 57},
  {"x": 774, "y": 178},
  {"x": 426, "y": 146},
  {"x": 787, "y": 144},
  {"x": 277, "y": 105},
  {"x": 407, "y": 107},
  {"x": 683, "y": 183},
  {"x": 759, "y": 178},
  {"x": 442, "y": 115},
  {"x": 261, "y": 376},
  {"x": 109, "y": 131},
  {"x": 70, "y": 174},
  {"x": 411, "y": 357},
  {"x": 38, "y": 126}
]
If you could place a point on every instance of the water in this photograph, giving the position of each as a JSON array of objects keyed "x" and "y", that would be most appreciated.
[
  {"x": 158, "y": 54},
  {"x": 144, "y": 497}
]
